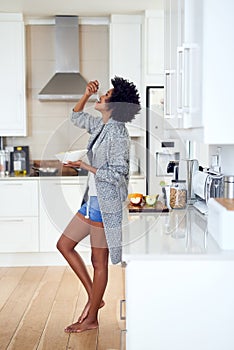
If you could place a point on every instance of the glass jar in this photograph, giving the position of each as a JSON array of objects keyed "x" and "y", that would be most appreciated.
[{"x": 178, "y": 194}]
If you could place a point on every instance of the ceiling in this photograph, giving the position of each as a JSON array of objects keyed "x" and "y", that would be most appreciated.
[{"x": 48, "y": 8}]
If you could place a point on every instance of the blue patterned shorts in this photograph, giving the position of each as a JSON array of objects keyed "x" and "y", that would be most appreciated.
[{"x": 91, "y": 209}]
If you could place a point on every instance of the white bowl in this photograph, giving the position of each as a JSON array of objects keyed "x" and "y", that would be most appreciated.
[{"x": 71, "y": 156}]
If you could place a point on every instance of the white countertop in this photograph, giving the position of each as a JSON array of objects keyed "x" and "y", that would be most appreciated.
[
  {"x": 179, "y": 233},
  {"x": 29, "y": 178}
]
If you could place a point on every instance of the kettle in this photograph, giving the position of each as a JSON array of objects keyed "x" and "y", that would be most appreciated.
[
  {"x": 229, "y": 186},
  {"x": 187, "y": 169}
]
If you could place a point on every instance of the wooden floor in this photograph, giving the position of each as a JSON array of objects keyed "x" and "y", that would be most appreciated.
[{"x": 36, "y": 303}]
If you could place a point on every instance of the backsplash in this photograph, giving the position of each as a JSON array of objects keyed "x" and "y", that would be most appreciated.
[{"x": 49, "y": 128}]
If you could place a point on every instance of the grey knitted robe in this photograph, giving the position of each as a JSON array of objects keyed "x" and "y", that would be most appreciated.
[{"x": 111, "y": 159}]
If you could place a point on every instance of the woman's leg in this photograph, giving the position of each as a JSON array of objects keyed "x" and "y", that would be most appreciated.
[
  {"x": 76, "y": 230},
  {"x": 100, "y": 265}
]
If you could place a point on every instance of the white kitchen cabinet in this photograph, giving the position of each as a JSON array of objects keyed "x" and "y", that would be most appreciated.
[
  {"x": 125, "y": 47},
  {"x": 178, "y": 283},
  {"x": 35, "y": 212},
  {"x": 204, "y": 77},
  {"x": 126, "y": 56},
  {"x": 20, "y": 198},
  {"x": 19, "y": 234},
  {"x": 19, "y": 216},
  {"x": 173, "y": 37},
  {"x": 33, "y": 215},
  {"x": 59, "y": 201},
  {"x": 12, "y": 72},
  {"x": 182, "y": 304},
  {"x": 153, "y": 68},
  {"x": 189, "y": 67},
  {"x": 136, "y": 185},
  {"x": 217, "y": 82}
]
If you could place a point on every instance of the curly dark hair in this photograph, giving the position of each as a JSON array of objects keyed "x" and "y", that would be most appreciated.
[{"x": 124, "y": 101}]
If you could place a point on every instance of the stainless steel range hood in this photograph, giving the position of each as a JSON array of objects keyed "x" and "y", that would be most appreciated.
[{"x": 67, "y": 84}]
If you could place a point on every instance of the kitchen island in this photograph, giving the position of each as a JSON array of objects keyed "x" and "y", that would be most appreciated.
[{"x": 179, "y": 285}]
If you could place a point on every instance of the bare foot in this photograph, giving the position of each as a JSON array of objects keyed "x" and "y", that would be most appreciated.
[
  {"x": 81, "y": 327},
  {"x": 85, "y": 312}
]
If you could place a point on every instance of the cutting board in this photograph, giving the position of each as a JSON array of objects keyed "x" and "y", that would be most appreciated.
[
  {"x": 159, "y": 207},
  {"x": 227, "y": 203}
]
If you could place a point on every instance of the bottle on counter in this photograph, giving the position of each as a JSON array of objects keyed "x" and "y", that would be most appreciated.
[
  {"x": 178, "y": 194},
  {"x": 8, "y": 162},
  {"x": 19, "y": 162}
]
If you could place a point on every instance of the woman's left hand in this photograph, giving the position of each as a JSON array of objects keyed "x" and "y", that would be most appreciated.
[
  {"x": 81, "y": 165},
  {"x": 77, "y": 164}
]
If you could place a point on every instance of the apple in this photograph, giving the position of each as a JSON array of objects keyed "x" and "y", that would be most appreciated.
[
  {"x": 151, "y": 199},
  {"x": 135, "y": 198}
]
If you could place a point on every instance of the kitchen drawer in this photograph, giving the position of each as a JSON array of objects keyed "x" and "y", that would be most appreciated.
[
  {"x": 18, "y": 198},
  {"x": 19, "y": 235}
]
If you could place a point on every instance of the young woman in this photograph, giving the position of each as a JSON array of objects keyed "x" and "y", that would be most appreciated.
[{"x": 100, "y": 215}]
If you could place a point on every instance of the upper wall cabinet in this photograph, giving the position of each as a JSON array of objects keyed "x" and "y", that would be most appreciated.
[
  {"x": 200, "y": 57},
  {"x": 218, "y": 76},
  {"x": 153, "y": 69},
  {"x": 126, "y": 57},
  {"x": 125, "y": 47},
  {"x": 173, "y": 34},
  {"x": 12, "y": 72}
]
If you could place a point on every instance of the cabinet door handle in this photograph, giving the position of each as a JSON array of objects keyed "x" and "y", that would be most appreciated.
[
  {"x": 13, "y": 184},
  {"x": 122, "y": 342},
  {"x": 11, "y": 220},
  {"x": 189, "y": 86},
  {"x": 189, "y": 52},
  {"x": 68, "y": 184},
  {"x": 183, "y": 79},
  {"x": 180, "y": 72},
  {"x": 186, "y": 79},
  {"x": 168, "y": 92},
  {"x": 121, "y": 309}
]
